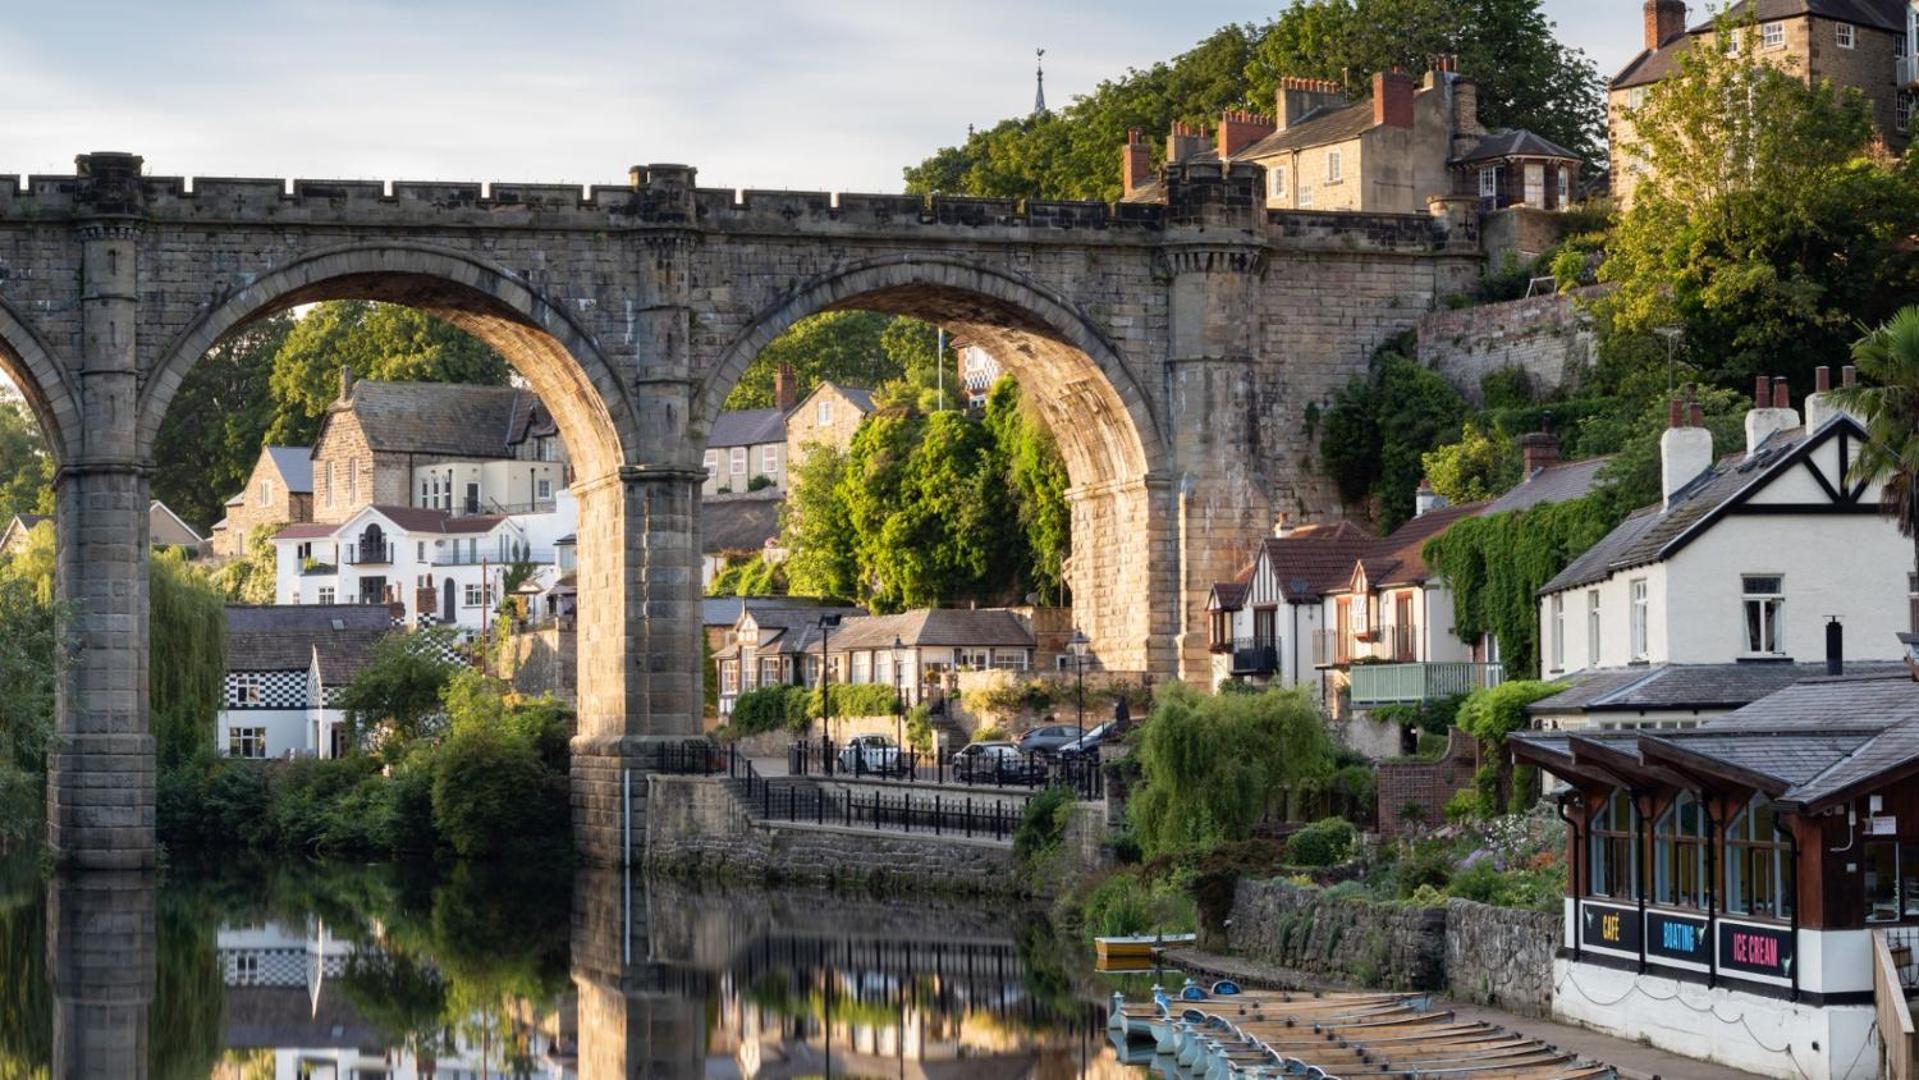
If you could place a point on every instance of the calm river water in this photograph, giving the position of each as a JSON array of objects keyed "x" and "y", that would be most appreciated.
[{"x": 393, "y": 972}]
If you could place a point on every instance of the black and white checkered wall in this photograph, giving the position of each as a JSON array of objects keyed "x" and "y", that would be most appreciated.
[{"x": 278, "y": 689}]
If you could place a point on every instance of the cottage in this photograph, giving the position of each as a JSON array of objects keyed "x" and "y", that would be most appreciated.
[
  {"x": 165, "y": 529},
  {"x": 279, "y": 491},
  {"x": 1732, "y": 575},
  {"x": 746, "y": 451},
  {"x": 1760, "y": 866},
  {"x": 828, "y": 416},
  {"x": 285, "y": 667},
  {"x": 774, "y": 646},
  {"x": 1263, "y": 623}
]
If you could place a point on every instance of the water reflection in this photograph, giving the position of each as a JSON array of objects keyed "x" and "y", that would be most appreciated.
[{"x": 391, "y": 973}]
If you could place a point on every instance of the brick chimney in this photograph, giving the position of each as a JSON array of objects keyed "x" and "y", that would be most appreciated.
[
  {"x": 785, "y": 388},
  {"x": 346, "y": 382},
  {"x": 1540, "y": 449},
  {"x": 1297, "y": 97},
  {"x": 1393, "y": 99},
  {"x": 1184, "y": 141},
  {"x": 1665, "y": 20},
  {"x": 1136, "y": 162},
  {"x": 1239, "y": 130}
]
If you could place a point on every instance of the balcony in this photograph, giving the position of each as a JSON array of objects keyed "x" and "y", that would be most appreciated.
[
  {"x": 1409, "y": 684},
  {"x": 462, "y": 557},
  {"x": 1252, "y": 656},
  {"x": 1332, "y": 648},
  {"x": 367, "y": 554}
]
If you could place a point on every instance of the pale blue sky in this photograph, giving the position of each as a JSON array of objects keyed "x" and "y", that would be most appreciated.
[{"x": 832, "y": 94}]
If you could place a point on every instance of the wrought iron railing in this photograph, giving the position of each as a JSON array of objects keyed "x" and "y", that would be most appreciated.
[
  {"x": 806, "y": 802},
  {"x": 826, "y": 759},
  {"x": 365, "y": 554},
  {"x": 1253, "y": 656}
]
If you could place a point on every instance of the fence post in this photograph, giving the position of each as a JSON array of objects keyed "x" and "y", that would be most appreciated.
[
  {"x": 969, "y": 817},
  {"x": 938, "y": 825}
]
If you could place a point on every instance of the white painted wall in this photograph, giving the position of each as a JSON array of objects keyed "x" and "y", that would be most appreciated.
[{"x": 286, "y": 729}]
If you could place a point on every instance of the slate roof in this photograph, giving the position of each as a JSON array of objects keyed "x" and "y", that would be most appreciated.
[
  {"x": 443, "y": 418},
  {"x": 295, "y": 465},
  {"x": 1229, "y": 594},
  {"x": 860, "y": 397},
  {"x": 787, "y": 629},
  {"x": 738, "y": 524},
  {"x": 1520, "y": 143},
  {"x": 1585, "y": 687},
  {"x": 935, "y": 628},
  {"x": 283, "y": 637},
  {"x": 306, "y": 530},
  {"x": 726, "y": 610},
  {"x": 747, "y": 427},
  {"x": 1652, "y": 65},
  {"x": 412, "y": 519},
  {"x": 1320, "y": 127},
  {"x": 1563, "y": 482}
]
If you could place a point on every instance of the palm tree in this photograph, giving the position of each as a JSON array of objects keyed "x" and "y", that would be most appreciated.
[{"x": 1888, "y": 405}]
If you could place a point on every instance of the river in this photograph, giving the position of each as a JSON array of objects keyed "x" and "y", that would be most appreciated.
[{"x": 392, "y": 972}]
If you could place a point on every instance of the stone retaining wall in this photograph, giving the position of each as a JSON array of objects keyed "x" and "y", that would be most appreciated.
[
  {"x": 1493, "y": 956},
  {"x": 695, "y": 828},
  {"x": 1546, "y": 336}
]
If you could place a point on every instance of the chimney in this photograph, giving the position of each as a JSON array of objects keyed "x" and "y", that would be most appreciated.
[
  {"x": 1184, "y": 141},
  {"x": 1297, "y": 97},
  {"x": 1466, "y": 108},
  {"x": 1768, "y": 416},
  {"x": 1685, "y": 450},
  {"x": 785, "y": 388},
  {"x": 1393, "y": 99},
  {"x": 1282, "y": 525},
  {"x": 1136, "y": 162},
  {"x": 346, "y": 382},
  {"x": 1540, "y": 450},
  {"x": 1426, "y": 500},
  {"x": 1239, "y": 130},
  {"x": 1835, "y": 646},
  {"x": 1665, "y": 20}
]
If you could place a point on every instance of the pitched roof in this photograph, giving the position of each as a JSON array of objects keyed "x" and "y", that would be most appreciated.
[
  {"x": 1652, "y": 65},
  {"x": 1654, "y": 533},
  {"x": 1879, "y": 712},
  {"x": 726, "y": 610},
  {"x": 1688, "y": 686},
  {"x": 1520, "y": 143},
  {"x": 306, "y": 530},
  {"x": 1324, "y": 125},
  {"x": 747, "y": 427},
  {"x": 284, "y": 637},
  {"x": 441, "y": 418},
  {"x": 934, "y": 628},
  {"x": 410, "y": 519},
  {"x": 1315, "y": 559},
  {"x": 1563, "y": 482},
  {"x": 738, "y": 524},
  {"x": 295, "y": 465},
  {"x": 1397, "y": 559}
]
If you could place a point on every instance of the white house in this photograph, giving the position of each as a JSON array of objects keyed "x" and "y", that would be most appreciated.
[
  {"x": 1743, "y": 564},
  {"x": 285, "y": 666},
  {"x": 1265, "y": 622}
]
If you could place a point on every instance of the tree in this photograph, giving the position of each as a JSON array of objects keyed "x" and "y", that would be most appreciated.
[
  {"x": 26, "y": 469},
  {"x": 815, "y": 529},
  {"x": 1766, "y": 225},
  {"x": 1379, "y": 428},
  {"x": 1888, "y": 358},
  {"x": 1483, "y": 463},
  {"x": 845, "y": 347},
  {"x": 187, "y": 625},
  {"x": 399, "y": 689},
  {"x": 1036, "y": 474},
  {"x": 374, "y": 341},
  {"x": 254, "y": 577},
  {"x": 216, "y": 423}
]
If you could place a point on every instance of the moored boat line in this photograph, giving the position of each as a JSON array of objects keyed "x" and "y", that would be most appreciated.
[{"x": 1222, "y": 1033}]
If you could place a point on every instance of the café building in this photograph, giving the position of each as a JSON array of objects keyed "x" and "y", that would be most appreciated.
[{"x": 1733, "y": 889}]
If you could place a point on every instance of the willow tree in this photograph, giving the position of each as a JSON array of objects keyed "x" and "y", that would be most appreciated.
[{"x": 186, "y": 629}]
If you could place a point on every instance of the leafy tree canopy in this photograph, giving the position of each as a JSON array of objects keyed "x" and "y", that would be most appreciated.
[
  {"x": 852, "y": 348},
  {"x": 216, "y": 424},
  {"x": 1379, "y": 428},
  {"x": 26, "y": 469}
]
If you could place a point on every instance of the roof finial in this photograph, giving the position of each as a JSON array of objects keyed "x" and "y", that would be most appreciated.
[{"x": 1039, "y": 83}]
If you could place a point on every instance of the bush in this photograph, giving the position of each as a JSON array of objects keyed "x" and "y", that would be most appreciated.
[
  {"x": 1043, "y": 823},
  {"x": 1125, "y": 905},
  {"x": 766, "y": 709},
  {"x": 1325, "y": 842},
  {"x": 491, "y": 796},
  {"x": 856, "y": 699},
  {"x": 1467, "y": 804},
  {"x": 303, "y": 794},
  {"x": 1430, "y": 869},
  {"x": 1489, "y": 714}
]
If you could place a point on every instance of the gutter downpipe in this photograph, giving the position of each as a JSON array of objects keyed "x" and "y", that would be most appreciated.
[
  {"x": 1713, "y": 841},
  {"x": 1642, "y": 871},
  {"x": 1572, "y": 867},
  {"x": 1792, "y": 839}
]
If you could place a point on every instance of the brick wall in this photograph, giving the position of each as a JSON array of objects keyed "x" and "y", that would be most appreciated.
[
  {"x": 1546, "y": 336},
  {"x": 1427, "y": 783}
]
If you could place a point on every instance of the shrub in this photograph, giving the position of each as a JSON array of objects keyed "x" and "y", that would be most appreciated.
[
  {"x": 302, "y": 795},
  {"x": 1125, "y": 904},
  {"x": 1489, "y": 714},
  {"x": 761, "y": 710},
  {"x": 1325, "y": 842},
  {"x": 1422, "y": 869},
  {"x": 491, "y": 797},
  {"x": 856, "y": 699},
  {"x": 1043, "y": 823},
  {"x": 1467, "y": 804}
]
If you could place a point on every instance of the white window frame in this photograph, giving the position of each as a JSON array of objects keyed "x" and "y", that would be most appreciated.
[
  {"x": 1636, "y": 97},
  {"x": 823, "y": 413},
  {"x": 249, "y": 689},
  {"x": 326, "y": 594},
  {"x": 770, "y": 458},
  {"x": 1335, "y": 166},
  {"x": 712, "y": 462},
  {"x": 1772, "y": 35},
  {"x": 736, "y": 461},
  {"x": 1559, "y": 631},
  {"x": 729, "y": 676},
  {"x": 1843, "y": 35},
  {"x": 1902, "y": 110},
  {"x": 1489, "y": 181},
  {"x": 472, "y": 595},
  {"x": 1592, "y": 628},
  {"x": 248, "y": 743},
  {"x": 1305, "y": 198},
  {"x": 1276, "y": 182},
  {"x": 861, "y": 670},
  {"x": 1758, "y": 592},
  {"x": 1565, "y": 186},
  {"x": 1640, "y": 593},
  {"x": 266, "y": 492},
  {"x": 543, "y": 488}
]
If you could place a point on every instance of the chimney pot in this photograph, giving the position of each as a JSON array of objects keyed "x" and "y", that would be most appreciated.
[
  {"x": 1781, "y": 397},
  {"x": 1696, "y": 415},
  {"x": 1675, "y": 413},
  {"x": 1821, "y": 379},
  {"x": 1761, "y": 391},
  {"x": 1848, "y": 375}
]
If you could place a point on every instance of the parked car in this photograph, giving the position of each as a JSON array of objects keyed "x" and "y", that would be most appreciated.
[
  {"x": 974, "y": 749},
  {"x": 999, "y": 763},
  {"x": 1091, "y": 742},
  {"x": 1046, "y": 741},
  {"x": 871, "y": 754}
]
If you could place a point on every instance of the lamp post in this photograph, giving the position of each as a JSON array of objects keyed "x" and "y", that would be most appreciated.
[
  {"x": 827, "y": 623},
  {"x": 899, "y": 698},
  {"x": 1079, "y": 644}
]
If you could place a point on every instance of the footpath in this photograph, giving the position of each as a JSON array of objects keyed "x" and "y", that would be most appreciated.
[{"x": 1635, "y": 1061}]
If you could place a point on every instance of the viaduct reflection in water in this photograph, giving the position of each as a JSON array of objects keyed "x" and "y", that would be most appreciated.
[{"x": 394, "y": 973}]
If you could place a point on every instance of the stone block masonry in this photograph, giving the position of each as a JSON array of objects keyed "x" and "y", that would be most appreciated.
[{"x": 1547, "y": 337}]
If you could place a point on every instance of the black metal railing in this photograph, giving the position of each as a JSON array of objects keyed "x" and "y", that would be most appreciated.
[
  {"x": 1255, "y": 656},
  {"x": 368, "y": 554},
  {"x": 690, "y": 757},
  {"x": 825, "y": 759},
  {"x": 935, "y": 815}
]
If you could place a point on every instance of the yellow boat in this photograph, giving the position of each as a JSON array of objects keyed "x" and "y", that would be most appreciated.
[{"x": 1116, "y": 950}]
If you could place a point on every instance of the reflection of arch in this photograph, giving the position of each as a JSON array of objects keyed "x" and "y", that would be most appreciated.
[
  {"x": 42, "y": 380},
  {"x": 1103, "y": 418},
  {"x": 558, "y": 359}
]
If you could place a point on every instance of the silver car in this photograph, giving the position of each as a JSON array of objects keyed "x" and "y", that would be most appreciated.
[{"x": 870, "y": 754}]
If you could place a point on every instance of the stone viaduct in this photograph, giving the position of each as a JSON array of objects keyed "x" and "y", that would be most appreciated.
[{"x": 1173, "y": 349}]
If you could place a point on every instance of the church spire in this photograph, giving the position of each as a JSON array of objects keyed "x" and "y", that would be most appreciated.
[{"x": 1039, "y": 91}]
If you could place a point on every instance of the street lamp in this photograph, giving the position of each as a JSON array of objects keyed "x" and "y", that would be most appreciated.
[
  {"x": 899, "y": 698},
  {"x": 827, "y": 623},
  {"x": 1079, "y": 644}
]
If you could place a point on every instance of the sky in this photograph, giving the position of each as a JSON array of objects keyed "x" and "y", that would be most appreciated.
[{"x": 804, "y": 94}]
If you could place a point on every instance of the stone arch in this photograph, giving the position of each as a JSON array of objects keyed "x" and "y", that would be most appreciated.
[
  {"x": 560, "y": 360},
  {"x": 1076, "y": 371},
  {"x": 32, "y": 365}
]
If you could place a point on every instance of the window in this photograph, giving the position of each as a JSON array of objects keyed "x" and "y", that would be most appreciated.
[
  {"x": 1592, "y": 628},
  {"x": 1679, "y": 854},
  {"x": 1559, "y": 631},
  {"x": 862, "y": 667},
  {"x": 543, "y": 489},
  {"x": 1335, "y": 166},
  {"x": 736, "y": 463},
  {"x": 1565, "y": 186},
  {"x": 248, "y": 689},
  {"x": 770, "y": 458},
  {"x": 883, "y": 667},
  {"x": 1759, "y": 870},
  {"x": 1882, "y": 881},
  {"x": 419, "y": 551},
  {"x": 326, "y": 594},
  {"x": 1732, "y": 42},
  {"x": 1011, "y": 659},
  {"x": 770, "y": 671},
  {"x": 1305, "y": 199},
  {"x": 1902, "y": 110},
  {"x": 1842, "y": 35},
  {"x": 327, "y": 473},
  {"x": 1276, "y": 182},
  {"x": 423, "y": 495},
  {"x": 247, "y": 742},
  {"x": 246, "y": 969},
  {"x": 1614, "y": 839},
  {"x": 1636, "y": 97},
  {"x": 352, "y": 484},
  {"x": 1764, "y": 600},
  {"x": 712, "y": 462},
  {"x": 1641, "y": 618},
  {"x": 1489, "y": 182},
  {"x": 1535, "y": 185},
  {"x": 730, "y": 677},
  {"x": 266, "y": 493},
  {"x": 1772, "y": 35},
  {"x": 474, "y": 596},
  {"x": 823, "y": 413}
]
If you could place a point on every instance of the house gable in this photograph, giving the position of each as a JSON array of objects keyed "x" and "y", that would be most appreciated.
[{"x": 1807, "y": 479}]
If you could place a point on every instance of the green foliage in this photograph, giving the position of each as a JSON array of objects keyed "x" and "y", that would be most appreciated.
[
  {"x": 919, "y": 728},
  {"x": 187, "y": 628},
  {"x": 1537, "y": 890},
  {"x": 1491, "y": 713},
  {"x": 1037, "y": 473},
  {"x": 1127, "y": 905},
  {"x": 1214, "y": 766},
  {"x": 217, "y": 421},
  {"x": 1768, "y": 226},
  {"x": 773, "y": 708},
  {"x": 493, "y": 798},
  {"x": 1327, "y": 842},
  {"x": 398, "y": 691},
  {"x": 751, "y": 575},
  {"x": 816, "y": 529},
  {"x": 1888, "y": 359},
  {"x": 374, "y": 341},
  {"x": 843, "y": 347},
  {"x": 1423, "y": 868},
  {"x": 251, "y": 578},
  {"x": 1466, "y": 804},
  {"x": 26, "y": 469},
  {"x": 1380, "y": 425},
  {"x": 1432, "y": 717},
  {"x": 1042, "y": 824},
  {"x": 1479, "y": 466},
  {"x": 1630, "y": 431},
  {"x": 855, "y": 699}
]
